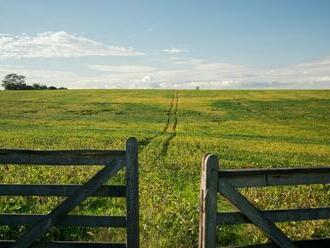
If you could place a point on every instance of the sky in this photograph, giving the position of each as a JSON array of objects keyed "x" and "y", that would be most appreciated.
[{"x": 211, "y": 44}]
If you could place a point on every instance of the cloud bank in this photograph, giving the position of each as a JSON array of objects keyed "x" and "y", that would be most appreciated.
[
  {"x": 57, "y": 44},
  {"x": 174, "y": 71},
  {"x": 190, "y": 73},
  {"x": 187, "y": 74}
]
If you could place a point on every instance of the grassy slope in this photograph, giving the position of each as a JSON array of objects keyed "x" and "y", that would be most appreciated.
[{"x": 245, "y": 128}]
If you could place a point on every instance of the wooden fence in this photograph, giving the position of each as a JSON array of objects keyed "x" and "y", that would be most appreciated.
[
  {"x": 225, "y": 182},
  {"x": 38, "y": 225}
]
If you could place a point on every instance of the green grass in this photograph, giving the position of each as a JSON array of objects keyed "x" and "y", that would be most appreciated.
[{"x": 246, "y": 129}]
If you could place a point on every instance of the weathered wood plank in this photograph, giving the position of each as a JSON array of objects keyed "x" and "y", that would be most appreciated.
[
  {"x": 208, "y": 202},
  {"x": 254, "y": 215},
  {"x": 273, "y": 177},
  {"x": 69, "y": 220},
  {"x": 74, "y": 157},
  {"x": 66, "y": 244},
  {"x": 312, "y": 243},
  {"x": 58, "y": 190},
  {"x": 66, "y": 206},
  {"x": 276, "y": 215},
  {"x": 132, "y": 193}
]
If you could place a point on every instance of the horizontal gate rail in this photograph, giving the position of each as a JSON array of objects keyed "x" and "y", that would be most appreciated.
[
  {"x": 286, "y": 215},
  {"x": 58, "y": 190},
  {"x": 225, "y": 182},
  {"x": 311, "y": 243},
  {"x": 71, "y": 157},
  {"x": 66, "y": 244},
  {"x": 69, "y": 220},
  {"x": 112, "y": 161},
  {"x": 276, "y": 177}
]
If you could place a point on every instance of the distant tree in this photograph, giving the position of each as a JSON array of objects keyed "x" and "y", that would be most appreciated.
[
  {"x": 39, "y": 87},
  {"x": 14, "y": 81},
  {"x": 17, "y": 82},
  {"x": 27, "y": 87},
  {"x": 198, "y": 88}
]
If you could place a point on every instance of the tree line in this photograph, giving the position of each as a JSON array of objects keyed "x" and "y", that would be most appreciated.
[{"x": 14, "y": 81}]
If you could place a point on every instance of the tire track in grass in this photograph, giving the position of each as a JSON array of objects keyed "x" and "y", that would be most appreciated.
[
  {"x": 154, "y": 149},
  {"x": 169, "y": 111},
  {"x": 175, "y": 112},
  {"x": 155, "y": 172},
  {"x": 172, "y": 118},
  {"x": 169, "y": 130}
]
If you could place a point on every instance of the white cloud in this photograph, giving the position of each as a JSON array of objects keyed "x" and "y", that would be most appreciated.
[
  {"x": 183, "y": 61},
  {"x": 122, "y": 69},
  {"x": 315, "y": 74},
  {"x": 188, "y": 75},
  {"x": 173, "y": 50},
  {"x": 57, "y": 44}
]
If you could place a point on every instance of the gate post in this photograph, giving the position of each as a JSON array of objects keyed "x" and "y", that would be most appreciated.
[
  {"x": 208, "y": 202},
  {"x": 132, "y": 193}
]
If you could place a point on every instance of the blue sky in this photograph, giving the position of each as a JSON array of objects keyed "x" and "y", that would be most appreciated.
[{"x": 216, "y": 44}]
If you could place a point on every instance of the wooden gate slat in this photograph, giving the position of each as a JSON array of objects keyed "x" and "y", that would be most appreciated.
[
  {"x": 283, "y": 215},
  {"x": 254, "y": 215},
  {"x": 69, "y": 220},
  {"x": 276, "y": 176},
  {"x": 311, "y": 243},
  {"x": 67, "y": 157},
  {"x": 58, "y": 190},
  {"x": 66, "y": 244},
  {"x": 67, "y": 205}
]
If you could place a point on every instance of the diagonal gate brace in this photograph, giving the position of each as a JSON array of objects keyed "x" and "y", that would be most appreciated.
[
  {"x": 55, "y": 216},
  {"x": 254, "y": 215}
]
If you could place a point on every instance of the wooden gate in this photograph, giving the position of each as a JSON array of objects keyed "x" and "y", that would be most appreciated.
[
  {"x": 113, "y": 162},
  {"x": 225, "y": 182}
]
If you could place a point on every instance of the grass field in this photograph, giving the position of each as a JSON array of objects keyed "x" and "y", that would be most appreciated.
[{"x": 246, "y": 129}]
